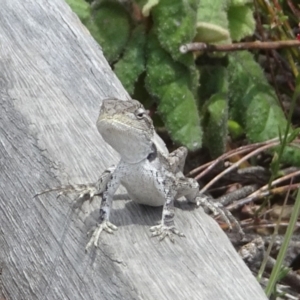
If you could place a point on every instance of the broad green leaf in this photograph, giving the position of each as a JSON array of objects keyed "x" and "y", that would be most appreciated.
[
  {"x": 213, "y": 79},
  {"x": 215, "y": 131},
  {"x": 253, "y": 103},
  {"x": 132, "y": 64},
  {"x": 175, "y": 24},
  {"x": 81, "y": 8},
  {"x": 110, "y": 26},
  {"x": 244, "y": 73},
  {"x": 264, "y": 118},
  {"x": 214, "y": 87},
  {"x": 171, "y": 83},
  {"x": 161, "y": 68},
  {"x": 212, "y": 22},
  {"x": 180, "y": 114},
  {"x": 241, "y": 21}
]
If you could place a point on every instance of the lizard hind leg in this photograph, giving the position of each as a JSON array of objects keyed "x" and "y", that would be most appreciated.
[
  {"x": 189, "y": 188},
  {"x": 217, "y": 208}
]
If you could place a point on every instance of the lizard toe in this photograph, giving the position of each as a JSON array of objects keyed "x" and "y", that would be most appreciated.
[
  {"x": 104, "y": 226},
  {"x": 163, "y": 231}
]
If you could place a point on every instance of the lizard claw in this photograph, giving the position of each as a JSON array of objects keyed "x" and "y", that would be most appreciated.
[
  {"x": 162, "y": 231},
  {"x": 106, "y": 226}
]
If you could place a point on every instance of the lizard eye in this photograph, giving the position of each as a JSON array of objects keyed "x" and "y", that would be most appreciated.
[{"x": 140, "y": 113}]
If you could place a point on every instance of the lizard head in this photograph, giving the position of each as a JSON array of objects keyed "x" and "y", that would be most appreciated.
[{"x": 127, "y": 127}]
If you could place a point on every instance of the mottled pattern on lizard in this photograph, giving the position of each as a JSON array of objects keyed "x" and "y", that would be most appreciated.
[{"x": 149, "y": 173}]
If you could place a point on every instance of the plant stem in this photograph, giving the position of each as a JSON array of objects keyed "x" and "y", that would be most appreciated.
[{"x": 283, "y": 249}]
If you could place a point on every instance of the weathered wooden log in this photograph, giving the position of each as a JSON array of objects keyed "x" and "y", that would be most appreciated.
[{"x": 53, "y": 77}]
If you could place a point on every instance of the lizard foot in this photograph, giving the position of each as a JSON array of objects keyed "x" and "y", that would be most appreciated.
[
  {"x": 217, "y": 208},
  {"x": 104, "y": 226},
  {"x": 162, "y": 231}
]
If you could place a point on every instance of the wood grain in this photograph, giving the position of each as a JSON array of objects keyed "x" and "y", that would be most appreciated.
[{"x": 53, "y": 77}]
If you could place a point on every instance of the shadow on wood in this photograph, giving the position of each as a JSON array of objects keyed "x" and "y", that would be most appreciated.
[{"x": 53, "y": 77}]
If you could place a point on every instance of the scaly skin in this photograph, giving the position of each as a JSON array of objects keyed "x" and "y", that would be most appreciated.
[{"x": 150, "y": 174}]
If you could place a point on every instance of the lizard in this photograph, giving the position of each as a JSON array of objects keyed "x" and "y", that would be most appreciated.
[{"x": 150, "y": 174}]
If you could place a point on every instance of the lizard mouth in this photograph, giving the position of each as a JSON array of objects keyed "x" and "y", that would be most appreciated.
[{"x": 123, "y": 125}]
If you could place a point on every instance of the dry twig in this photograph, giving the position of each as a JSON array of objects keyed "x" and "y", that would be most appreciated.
[{"x": 270, "y": 45}]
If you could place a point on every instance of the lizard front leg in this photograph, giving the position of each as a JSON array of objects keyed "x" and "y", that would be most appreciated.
[
  {"x": 167, "y": 227},
  {"x": 105, "y": 208}
]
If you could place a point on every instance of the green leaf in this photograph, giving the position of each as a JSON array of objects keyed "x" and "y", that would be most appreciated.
[
  {"x": 132, "y": 64},
  {"x": 175, "y": 24},
  {"x": 291, "y": 156},
  {"x": 253, "y": 103},
  {"x": 215, "y": 131},
  {"x": 214, "y": 85},
  {"x": 110, "y": 27},
  {"x": 235, "y": 130},
  {"x": 264, "y": 117},
  {"x": 212, "y": 22},
  {"x": 171, "y": 83},
  {"x": 179, "y": 112},
  {"x": 213, "y": 79},
  {"x": 81, "y": 9},
  {"x": 241, "y": 21},
  {"x": 161, "y": 68},
  {"x": 244, "y": 73},
  {"x": 252, "y": 99}
]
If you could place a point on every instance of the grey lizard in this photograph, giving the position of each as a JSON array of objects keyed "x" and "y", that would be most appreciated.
[{"x": 150, "y": 174}]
